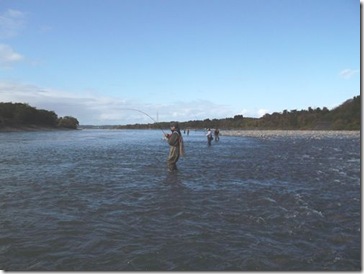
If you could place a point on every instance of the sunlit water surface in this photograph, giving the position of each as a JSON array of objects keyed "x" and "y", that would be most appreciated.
[{"x": 104, "y": 200}]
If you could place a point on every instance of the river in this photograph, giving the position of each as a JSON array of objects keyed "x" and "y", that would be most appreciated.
[{"x": 91, "y": 200}]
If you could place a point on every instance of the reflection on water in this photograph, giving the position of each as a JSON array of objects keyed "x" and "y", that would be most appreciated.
[{"x": 104, "y": 200}]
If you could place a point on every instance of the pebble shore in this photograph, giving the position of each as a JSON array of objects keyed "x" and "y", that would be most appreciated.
[{"x": 316, "y": 134}]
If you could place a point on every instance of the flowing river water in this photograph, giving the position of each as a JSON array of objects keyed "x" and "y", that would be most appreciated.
[{"x": 92, "y": 200}]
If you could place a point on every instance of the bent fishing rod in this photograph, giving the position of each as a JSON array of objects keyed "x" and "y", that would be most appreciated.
[{"x": 134, "y": 109}]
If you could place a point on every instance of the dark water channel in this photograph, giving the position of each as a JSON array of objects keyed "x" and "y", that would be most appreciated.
[{"x": 103, "y": 200}]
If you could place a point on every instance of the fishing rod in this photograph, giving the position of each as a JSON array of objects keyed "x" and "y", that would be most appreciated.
[
  {"x": 134, "y": 109},
  {"x": 181, "y": 143}
]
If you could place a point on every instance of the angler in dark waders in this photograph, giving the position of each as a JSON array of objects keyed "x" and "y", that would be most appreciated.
[{"x": 175, "y": 142}]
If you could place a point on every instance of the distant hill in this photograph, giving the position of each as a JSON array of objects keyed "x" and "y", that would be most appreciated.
[
  {"x": 347, "y": 116},
  {"x": 18, "y": 115}
]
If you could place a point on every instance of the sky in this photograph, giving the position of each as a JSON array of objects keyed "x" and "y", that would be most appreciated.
[{"x": 178, "y": 60}]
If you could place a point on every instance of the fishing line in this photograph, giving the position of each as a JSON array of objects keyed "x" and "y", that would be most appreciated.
[{"x": 134, "y": 109}]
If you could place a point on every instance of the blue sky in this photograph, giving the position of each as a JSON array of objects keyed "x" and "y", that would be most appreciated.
[{"x": 178, "y": 59}]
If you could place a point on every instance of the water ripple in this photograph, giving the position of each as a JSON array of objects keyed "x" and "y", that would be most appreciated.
[{"x": 103, "y": 200}]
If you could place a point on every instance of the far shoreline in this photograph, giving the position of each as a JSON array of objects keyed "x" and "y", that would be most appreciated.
[
  {"x": 257, "y": 133},
  {"x": 32, "y": 128}
]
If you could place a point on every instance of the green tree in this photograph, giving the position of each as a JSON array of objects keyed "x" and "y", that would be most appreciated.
[
  {"x": 47, "y": 118},
  {"x": 68, "y": 122}
]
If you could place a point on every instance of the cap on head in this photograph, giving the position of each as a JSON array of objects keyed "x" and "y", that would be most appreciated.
[{"x": 175, "y": 124}]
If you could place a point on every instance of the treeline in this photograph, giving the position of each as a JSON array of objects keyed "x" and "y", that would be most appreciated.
[
  {"x": 345, "y": 117},
  {"x": 23, "y": 115}
]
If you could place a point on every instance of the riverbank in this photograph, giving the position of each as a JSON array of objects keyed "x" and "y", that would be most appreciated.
[{"x": 291, "y": 133}]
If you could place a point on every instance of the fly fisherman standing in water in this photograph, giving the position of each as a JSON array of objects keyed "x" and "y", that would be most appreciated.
[{"x": 176, "y": 149}]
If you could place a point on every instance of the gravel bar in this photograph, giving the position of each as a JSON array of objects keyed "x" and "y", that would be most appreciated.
[{"x": 317, "y": 134}]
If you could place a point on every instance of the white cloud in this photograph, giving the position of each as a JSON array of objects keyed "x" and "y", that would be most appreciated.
[
  {"x": 99, "y": 110},
  {"x": 262, "y": 112},
  {"x": 11, "y": 22},
  {"x": 348, "y": 73},
  {"x": 253, "y": 113},
  {"x": 244, "y": 112},
  {"x": 8, "y": 56}
]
